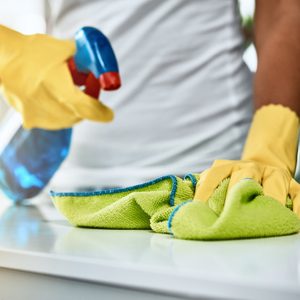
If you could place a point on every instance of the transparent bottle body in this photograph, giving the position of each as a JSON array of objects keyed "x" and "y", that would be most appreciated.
[{"x": 29, "y": 158}]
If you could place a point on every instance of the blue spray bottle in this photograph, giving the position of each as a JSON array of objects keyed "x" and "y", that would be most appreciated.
[{"x": 30, "y": 158}]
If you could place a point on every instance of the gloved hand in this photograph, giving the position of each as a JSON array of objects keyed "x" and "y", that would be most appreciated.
[
  {"x": 36, "y": 81},
  {"x": 269, "y": 157}
]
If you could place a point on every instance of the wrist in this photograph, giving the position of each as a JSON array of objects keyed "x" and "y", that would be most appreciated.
[{"x": 273, "y": 137}]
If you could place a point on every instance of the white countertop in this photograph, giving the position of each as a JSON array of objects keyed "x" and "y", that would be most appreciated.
[{"x": 38, "y": 239}]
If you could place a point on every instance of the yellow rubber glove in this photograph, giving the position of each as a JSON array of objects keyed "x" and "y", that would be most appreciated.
[
  {"x": 269, "y": 157},
  {"x": 36, "y": 81}
]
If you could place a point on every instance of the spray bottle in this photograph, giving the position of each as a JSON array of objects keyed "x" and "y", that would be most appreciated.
[{"x": 30, "y": 158}]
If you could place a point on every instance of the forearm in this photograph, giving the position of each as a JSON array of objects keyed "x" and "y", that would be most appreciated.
[{"x": 277, "y": 40}]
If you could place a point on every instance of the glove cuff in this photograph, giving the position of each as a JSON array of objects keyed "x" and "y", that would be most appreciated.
[{"x": 273, "y": 137}]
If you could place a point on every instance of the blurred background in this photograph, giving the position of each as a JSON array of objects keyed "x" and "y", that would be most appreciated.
[{"x": 247, "y": 11}]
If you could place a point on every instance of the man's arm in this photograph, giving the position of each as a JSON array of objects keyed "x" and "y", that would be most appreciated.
[
  {"x": 277, "y": 41},
  {"x": 270, "y": 151}
]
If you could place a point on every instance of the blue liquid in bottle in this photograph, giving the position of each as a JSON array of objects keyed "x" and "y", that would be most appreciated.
[{"x": 30, "y": 160}]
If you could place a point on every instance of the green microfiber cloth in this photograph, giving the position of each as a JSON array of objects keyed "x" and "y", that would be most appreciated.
[
  {"x": 165, "y": 205},
  {"x": 143, "y": 206}
]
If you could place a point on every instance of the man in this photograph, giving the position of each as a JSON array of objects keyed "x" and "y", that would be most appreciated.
[{"x": 187, "y": 97}]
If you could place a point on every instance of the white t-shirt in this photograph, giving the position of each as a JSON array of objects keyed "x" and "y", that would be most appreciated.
[{"x": 186, "y": 97}]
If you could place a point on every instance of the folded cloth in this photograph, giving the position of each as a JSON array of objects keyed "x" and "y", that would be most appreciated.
[{"x": 165, "y": 205}]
